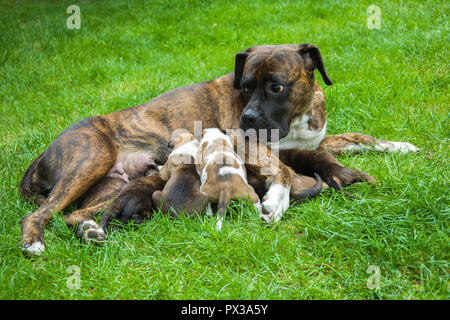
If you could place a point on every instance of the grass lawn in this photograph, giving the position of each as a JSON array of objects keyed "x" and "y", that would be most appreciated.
[{"x": 391, "y": 83}]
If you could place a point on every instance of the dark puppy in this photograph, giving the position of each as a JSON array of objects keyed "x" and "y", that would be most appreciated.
[
  {"x": 133, "y": 202},
  {"x": 182, "y": 189}
]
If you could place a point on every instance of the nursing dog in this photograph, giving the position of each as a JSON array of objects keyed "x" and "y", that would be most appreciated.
[{"x": 273, "y": 87}]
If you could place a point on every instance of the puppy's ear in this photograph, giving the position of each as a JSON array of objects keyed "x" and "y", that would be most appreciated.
[
  {"x": 239, "y": 64},
  {"x": 313, "y": 59}
]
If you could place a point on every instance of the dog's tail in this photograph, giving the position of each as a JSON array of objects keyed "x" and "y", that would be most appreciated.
[
  {"x": 26, "y": 188},
  {"x": 224, "y": 199},
  {"x": 308, "y": 193}
]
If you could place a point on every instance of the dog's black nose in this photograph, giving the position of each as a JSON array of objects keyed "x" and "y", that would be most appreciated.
[{"x": 250, "y": 117}]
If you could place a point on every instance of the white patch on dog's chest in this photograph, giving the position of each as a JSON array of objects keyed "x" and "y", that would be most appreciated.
[{"x": 301, "y": 137}]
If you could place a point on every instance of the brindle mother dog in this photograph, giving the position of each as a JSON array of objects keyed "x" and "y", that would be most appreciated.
[{"x": 273, "y": 87}]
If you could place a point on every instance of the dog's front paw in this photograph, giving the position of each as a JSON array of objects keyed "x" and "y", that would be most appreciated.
[
  {"x": 393, "y": 146},
  {"x": 33, "y": 249},
  {"x": 338, "y": 176},
  {"x": 90, "y": 231},
  {"x": 275, "y": 203}
]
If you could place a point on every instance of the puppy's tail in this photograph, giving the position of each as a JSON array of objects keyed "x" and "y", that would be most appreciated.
[
  {"x": 308, "y": 193},
  {"x": 224, "y": 199}
]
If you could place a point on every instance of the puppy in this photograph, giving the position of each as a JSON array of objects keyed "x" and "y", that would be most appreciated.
[
  {"x": 222, "y": 173},
  {"x": 133, "y": 202},
  {"x": 181, "y": 191}
]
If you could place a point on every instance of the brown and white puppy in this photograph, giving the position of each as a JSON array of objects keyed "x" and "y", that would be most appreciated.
[
  {"x": 182, "y": 189},
  {"x": 222, "y": 173}
]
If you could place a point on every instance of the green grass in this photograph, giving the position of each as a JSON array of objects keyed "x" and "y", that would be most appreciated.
[{"x": 391, "y": 83}]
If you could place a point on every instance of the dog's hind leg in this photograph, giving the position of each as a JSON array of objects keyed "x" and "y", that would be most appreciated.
[
  {"x": 63, "y": 194},
  {"x": 72, "y": 172},
  {"x": 98, "y": 198}
]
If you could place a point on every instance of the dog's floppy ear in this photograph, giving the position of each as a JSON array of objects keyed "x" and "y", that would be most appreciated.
[
  {"x": 239, "y": 64},
  {"x": 311, "y": 53}
]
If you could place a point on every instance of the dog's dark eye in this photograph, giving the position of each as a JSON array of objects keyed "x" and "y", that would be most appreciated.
[
  {"x": 245, "y": 89},
  {"x": 276, "y": 87}
]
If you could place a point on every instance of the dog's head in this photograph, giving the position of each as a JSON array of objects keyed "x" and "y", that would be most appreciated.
[
  {"x": 276, "y": 83},
  {"x": 180, "y": 137}
]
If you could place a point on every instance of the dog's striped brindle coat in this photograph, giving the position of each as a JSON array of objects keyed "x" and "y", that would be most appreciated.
[{"x": 90, "y": 162}]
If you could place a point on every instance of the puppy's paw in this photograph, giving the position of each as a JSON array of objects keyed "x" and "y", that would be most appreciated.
[
  {"x": 90, "y": 231},
  {"x": 276, "y": 202},
  {"x": 209, "y": 210},
  {"x": 219, "y": 223},
  {"x": 267, "y": 217}
]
